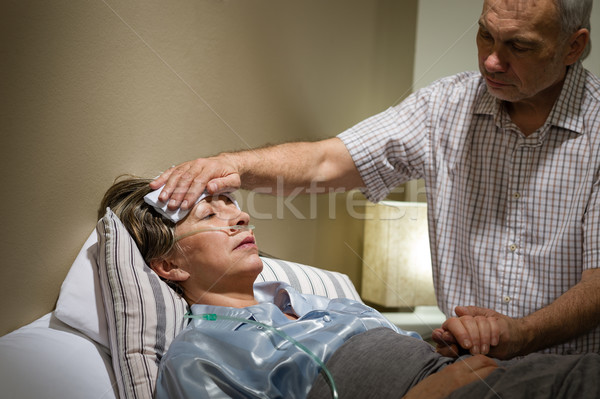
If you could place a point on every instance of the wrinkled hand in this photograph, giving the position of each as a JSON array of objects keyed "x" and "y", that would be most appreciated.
[
  {"x": 452, "y": 377},
  {"x": 479, "y": 331},
  {"x": 185, "y": 182}
]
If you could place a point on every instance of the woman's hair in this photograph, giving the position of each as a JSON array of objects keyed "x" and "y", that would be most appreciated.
[
  {"x": 574, "y": 15},
  {"x": 153, "y": 234}
]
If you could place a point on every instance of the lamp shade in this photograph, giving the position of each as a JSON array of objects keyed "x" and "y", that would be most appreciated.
[{"x": 396, "y": 258}]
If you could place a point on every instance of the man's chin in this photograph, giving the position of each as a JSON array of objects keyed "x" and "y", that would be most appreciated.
[{"x": 500, "y": 94}]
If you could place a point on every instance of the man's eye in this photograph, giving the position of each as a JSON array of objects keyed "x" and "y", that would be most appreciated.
[
  {"x": 485, "y": 35},
  {"x": 519, "y": 49}
]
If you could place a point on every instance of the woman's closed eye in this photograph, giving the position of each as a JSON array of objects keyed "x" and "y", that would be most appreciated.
[{"x": 210, "y": 215}]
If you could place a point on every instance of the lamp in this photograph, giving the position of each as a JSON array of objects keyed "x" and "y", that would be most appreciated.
[{"x": 396, "y": 258}]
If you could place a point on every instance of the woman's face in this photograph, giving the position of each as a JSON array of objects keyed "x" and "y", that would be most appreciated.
[{"x": 217, "y": 261}]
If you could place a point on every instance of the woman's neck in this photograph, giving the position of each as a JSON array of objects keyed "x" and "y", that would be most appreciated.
[{"x": 228, "y": 299}]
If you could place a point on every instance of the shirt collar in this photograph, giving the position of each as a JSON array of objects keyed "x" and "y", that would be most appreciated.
[
  {"x": 486, "y": 103},
  {"x": 284, "y": 296},
  {"x": 566, "y": 112},
  {"x": 275, "y": 299}
]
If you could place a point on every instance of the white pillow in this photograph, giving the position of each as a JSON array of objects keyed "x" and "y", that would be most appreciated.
[{"x": 79, "y": 303}]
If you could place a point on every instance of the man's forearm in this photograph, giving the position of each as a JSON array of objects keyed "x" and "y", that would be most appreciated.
[
  {"x": 575, "y": 312},
  {"x": 283, "y": 168}
]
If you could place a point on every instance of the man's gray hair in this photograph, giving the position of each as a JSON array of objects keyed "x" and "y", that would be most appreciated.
[{"x": 574, "y": 15}]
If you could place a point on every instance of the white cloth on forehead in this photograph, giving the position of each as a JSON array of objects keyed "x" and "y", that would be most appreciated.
[{"x": 177, "y": 214}]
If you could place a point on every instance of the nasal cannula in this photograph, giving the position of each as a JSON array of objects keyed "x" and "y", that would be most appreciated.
[{"x": 235, "y": 227}]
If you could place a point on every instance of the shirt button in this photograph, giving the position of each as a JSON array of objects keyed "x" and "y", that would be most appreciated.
[
  {"x": 512, "y": 247},
  {"x": 506, "y": 299},
  {"x": 516, "y": 195},
  {"x": 326, "y": 318}
]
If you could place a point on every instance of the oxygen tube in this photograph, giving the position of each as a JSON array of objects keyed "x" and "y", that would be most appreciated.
[
  {"x": 235, "y": 227},
  {"x": 213, "y": 317}
]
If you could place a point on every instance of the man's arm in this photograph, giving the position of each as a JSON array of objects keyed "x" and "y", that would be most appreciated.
[
  {"x": 575, "y": 312},
  {"x": 282, "y": 167}
]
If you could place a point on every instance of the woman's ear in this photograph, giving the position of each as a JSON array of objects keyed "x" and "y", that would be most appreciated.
[
  {"x": 168, "y": 270},
  {"x": 577, "y": 43}
]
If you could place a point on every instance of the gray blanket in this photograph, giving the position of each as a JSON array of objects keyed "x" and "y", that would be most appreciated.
[
  {"x": 382, "y": 364},
  {"x": 539, "y": 376}
]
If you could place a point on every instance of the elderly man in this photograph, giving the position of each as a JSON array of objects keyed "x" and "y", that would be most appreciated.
[{"x": 511, "y": 162}]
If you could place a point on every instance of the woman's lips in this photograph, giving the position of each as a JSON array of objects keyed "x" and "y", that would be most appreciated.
[{"x": 247, "y": 242}]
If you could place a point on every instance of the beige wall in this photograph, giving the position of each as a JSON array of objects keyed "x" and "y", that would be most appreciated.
[{"x": 94, "y": 89}]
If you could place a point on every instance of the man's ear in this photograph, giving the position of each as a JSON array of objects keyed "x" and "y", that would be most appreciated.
[
  {"x": 576, "y": 44},
  {"x": 168, "y": 270}
]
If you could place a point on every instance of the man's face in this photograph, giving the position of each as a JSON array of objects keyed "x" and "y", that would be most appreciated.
[{"x": 521, "y": 54}]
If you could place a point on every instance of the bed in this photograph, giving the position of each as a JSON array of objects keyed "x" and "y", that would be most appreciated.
[{"x": 81, "y": 350}]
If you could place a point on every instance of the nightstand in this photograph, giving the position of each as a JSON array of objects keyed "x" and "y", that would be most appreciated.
[{"x": 423, "y": 320}]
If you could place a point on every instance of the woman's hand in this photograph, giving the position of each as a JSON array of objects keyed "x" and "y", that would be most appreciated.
[
  {"x": 185, "y": 182},
  {"x": 479, "y": 331}
]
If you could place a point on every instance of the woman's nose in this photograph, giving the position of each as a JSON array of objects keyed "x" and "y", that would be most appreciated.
[
  {"x": 239, "y": 218},
  {"x": 243, "y": 219}
]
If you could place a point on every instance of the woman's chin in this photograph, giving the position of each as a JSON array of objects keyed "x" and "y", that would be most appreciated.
[
  {"x": 257, "y": 261},
  {"x": 251, "y": 260}
]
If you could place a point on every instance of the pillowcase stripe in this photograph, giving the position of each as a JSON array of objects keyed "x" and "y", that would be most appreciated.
[
  {"x": 334, "y": 282},
  {"x": 295, "y": 279},
  {"x": 348, "y": 289},
  {"x": 306, "y": 279},
  {"x": 161, "y": 318},
  {"x": 270, "y": 274}
]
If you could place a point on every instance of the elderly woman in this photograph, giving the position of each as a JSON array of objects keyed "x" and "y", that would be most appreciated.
[{"x": 267, "y": 340}]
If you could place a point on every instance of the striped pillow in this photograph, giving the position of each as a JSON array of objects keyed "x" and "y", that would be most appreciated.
[
  {"x": 144, "y": 315},
  {"x": 308, "y": 279}
]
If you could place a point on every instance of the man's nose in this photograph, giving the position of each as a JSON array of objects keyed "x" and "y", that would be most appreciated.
[{"x": 494, "y": 62}]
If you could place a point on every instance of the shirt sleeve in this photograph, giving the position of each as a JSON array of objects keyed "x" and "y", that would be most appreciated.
[{"x": 391, "y": 148}]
